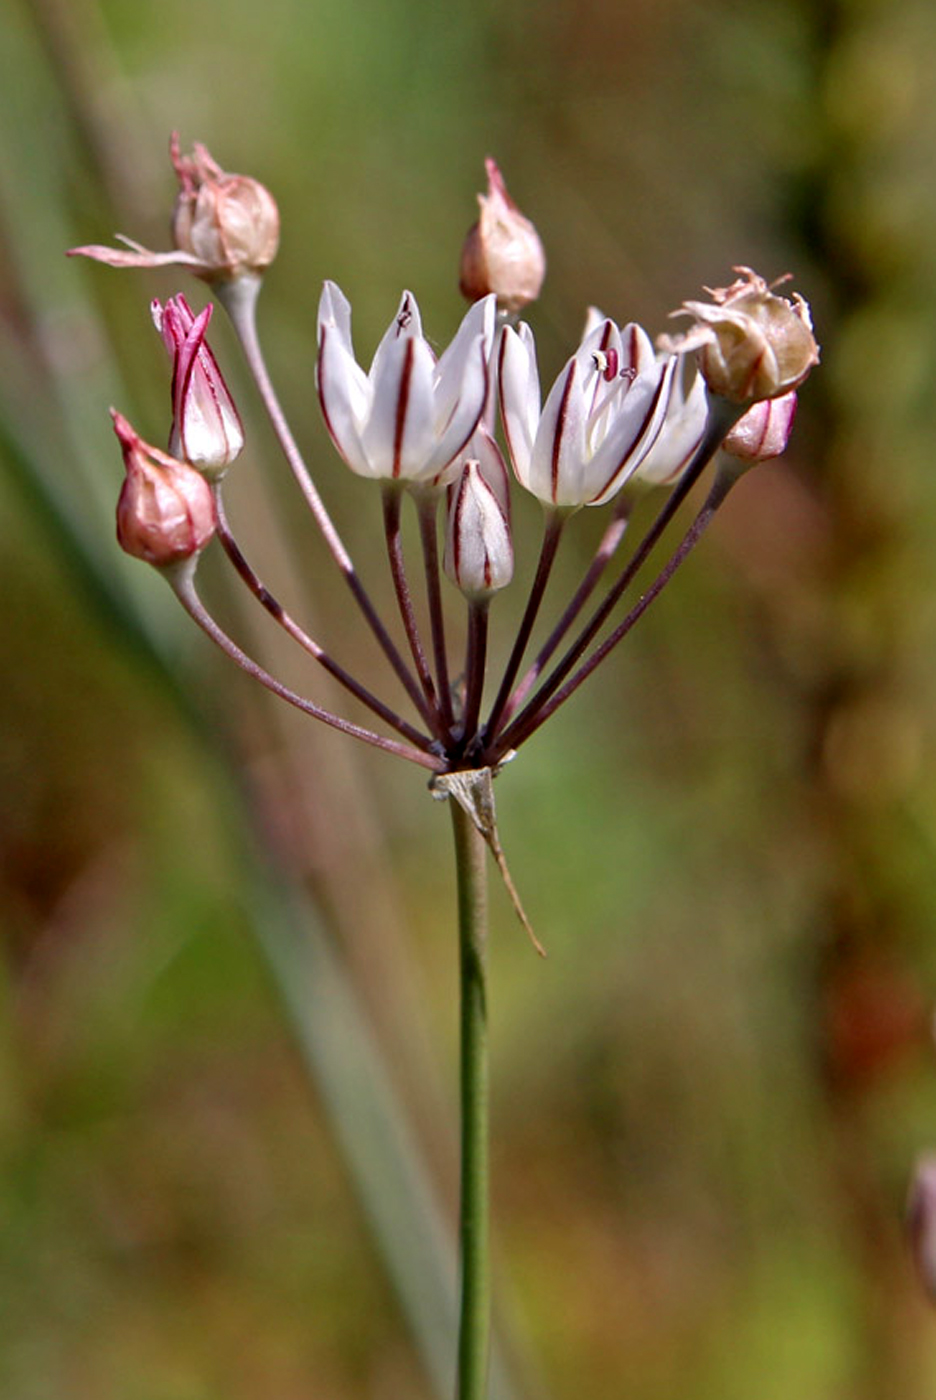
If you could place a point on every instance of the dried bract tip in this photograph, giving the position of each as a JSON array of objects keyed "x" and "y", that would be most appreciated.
[
  {"x": 206, "y": 427},
  {"x": 751, "y": 343},
  {"x": 165, "y": 513},
  {"x": 479, "y": 555},
  {"x": 764, "y": 431},
  {"x": 230, "y": 223},
  {"x": 502, "y": 252}
]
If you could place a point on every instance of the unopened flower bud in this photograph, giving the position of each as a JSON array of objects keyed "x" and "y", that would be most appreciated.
[
  {"x": 224, "y": 226},
  {"x": 502, "y": 252},
  {"x": 752, "y": 344},
  {"x": 206, "y": 428},
  {"x": 230, "y": 223},
  {"x": 921, "y": 1221},
  {"x": 763, "y": 431},
  {"x": 165, "y": 513},
  {"x": 478, "y": 548}
]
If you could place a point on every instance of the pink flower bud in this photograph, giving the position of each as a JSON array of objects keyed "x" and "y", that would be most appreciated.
[
  {"x": 752, "y": 344},
  {"x": 206, "y": 429},
  {"x": 230, "y": 223},
  {"x": 165, "y": 513},
  {"x": 921, "y": 1221},
  {"x": 478, "y": 548},
  {"x": 502, "y": 252},
  {"x": 763, "y": 431}
]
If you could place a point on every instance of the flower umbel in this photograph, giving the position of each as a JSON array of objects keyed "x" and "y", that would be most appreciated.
[
  {"x": 411, "y": 415},
  {"x": 165, "y": 513},
  {"x": 752, "y": 344},
  {"x": 618, "y": 415},
  {"x": 206, "y": 427}
]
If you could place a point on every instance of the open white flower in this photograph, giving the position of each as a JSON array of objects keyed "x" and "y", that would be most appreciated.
[
  {"x": 602, "y": 416},
  {"x": 411, "y": 415},
  {"x": 682, "y": 431}
]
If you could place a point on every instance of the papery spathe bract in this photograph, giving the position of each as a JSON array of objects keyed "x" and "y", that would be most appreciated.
[
  {"x": 411, "y": 415},
  {"x": 206, "y": 427},
  {"x": 601, "y": 417},
  {"x": 165, "y": 512}
]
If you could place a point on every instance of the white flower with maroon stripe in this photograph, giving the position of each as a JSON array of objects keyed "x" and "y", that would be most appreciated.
[
  {"x": 602, "y": 416},
  {"x": 411, "y": 415},
  {"x": 206, "y": 428},
  {"x": 682, "y": 431}
]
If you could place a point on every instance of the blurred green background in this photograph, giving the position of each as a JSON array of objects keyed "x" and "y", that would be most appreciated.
[{"x": 228, "y": 1031}]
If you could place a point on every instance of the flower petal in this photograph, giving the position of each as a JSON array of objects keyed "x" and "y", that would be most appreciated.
[
  {"x": 464, "y": 414},
  {"x": 682, "y": 430},
  {"x": 559, "y": 450},
  {"x": 452, "y": 367},
  {"x": 344, "y": 395},
  {"x": 520, "y": 398},
  {"x": 632, "y": 434},
  {"x": 399, "y": 435}
]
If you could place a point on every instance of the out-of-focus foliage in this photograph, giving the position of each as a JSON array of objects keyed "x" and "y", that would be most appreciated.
[{"x": 708, "y": 1099}]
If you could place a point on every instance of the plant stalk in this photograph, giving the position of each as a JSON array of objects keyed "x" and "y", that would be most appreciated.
[{"x": 473, "y": 1227}]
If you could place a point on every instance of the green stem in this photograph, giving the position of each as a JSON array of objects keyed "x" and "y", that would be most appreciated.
[{"x": 474, "y": 1323}]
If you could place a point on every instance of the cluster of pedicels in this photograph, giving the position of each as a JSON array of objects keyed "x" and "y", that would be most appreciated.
[{"x": 622, "y": 417}]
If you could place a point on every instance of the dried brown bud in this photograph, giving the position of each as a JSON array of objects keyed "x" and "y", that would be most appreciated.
[
  {"x": 752, "y": 344},
  {"x": 165, "y": 513},
  {"x": 502, "y": 252},
  {"x": 229, "y": 223}
]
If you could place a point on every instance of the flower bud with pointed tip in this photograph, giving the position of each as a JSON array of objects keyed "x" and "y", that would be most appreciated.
[
  {"x": 229, "y": 223},
  {"x": 502, "y": 252},
  {"x": 206, "y": 428},
  {"x": 764, "y": 431},
  {"x": 165, "y": 513},
  {"x": 752, "y": 344},
  {"x": 478, "y": 548},
  {"x": 224, "y": 226}
]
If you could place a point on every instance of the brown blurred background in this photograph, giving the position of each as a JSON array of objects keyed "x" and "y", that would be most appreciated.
[{"x": 228, "y": 1031}]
